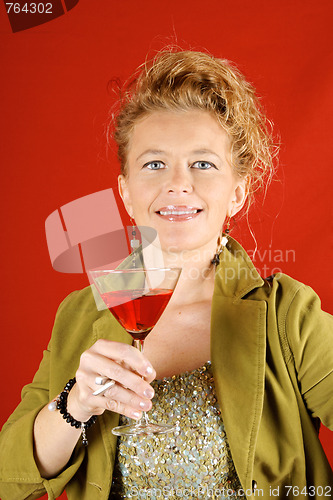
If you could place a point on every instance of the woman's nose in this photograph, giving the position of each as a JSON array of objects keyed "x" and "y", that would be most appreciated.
[{"x": 180, "y": 181}]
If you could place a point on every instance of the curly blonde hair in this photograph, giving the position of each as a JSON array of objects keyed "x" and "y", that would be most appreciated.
[{"x": 187, "y": 80}]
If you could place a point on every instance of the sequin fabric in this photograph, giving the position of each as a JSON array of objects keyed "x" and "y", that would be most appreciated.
[{"x": 194, "y": 462}]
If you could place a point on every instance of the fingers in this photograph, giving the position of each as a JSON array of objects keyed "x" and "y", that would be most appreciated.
[
  {"x": 120, "y": 374},
  {"x": 121, "y": 400},
  {"x": 124, "y": 364},
  {"x": 125, "y": 355}
]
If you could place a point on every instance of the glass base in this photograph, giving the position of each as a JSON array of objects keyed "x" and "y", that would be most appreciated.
[{"x": 142, "y": 429}]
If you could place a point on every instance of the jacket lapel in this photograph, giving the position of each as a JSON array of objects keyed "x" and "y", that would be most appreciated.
[{"x": 238, "y": 344}]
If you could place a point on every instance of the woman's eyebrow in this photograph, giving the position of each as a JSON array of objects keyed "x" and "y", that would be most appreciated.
[
  {"x": 155, "y": 152},
  {"x": 205, "y": 151}
]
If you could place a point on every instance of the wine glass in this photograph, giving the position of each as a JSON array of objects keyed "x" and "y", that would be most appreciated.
[{"x": 137, "y": 298}]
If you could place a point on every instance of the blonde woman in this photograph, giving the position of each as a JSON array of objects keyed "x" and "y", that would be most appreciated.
[{"x": 242, "y": 365}]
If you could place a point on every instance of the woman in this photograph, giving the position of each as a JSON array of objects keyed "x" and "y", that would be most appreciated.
[{"x": 243, "y": 365}]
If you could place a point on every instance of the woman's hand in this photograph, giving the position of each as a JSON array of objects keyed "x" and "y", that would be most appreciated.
[
  {"x": 54, "y": 439},
  {"x": 122, "y": 363}
]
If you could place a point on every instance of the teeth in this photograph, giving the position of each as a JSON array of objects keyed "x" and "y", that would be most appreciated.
[{"x": 177, "y": 212}]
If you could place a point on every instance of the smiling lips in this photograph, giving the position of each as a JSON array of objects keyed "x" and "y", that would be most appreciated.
[{"x": 178, "y": 213}]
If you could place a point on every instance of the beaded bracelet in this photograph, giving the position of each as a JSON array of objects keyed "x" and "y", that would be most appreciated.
[{"x": 60, "y": 403}]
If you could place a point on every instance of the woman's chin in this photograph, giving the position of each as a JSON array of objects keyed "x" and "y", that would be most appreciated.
[{"x": 187, "y": 250}]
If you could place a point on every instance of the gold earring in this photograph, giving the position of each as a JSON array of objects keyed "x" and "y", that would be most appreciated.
[
  {"x": 135, "y": 243},
  {"x": 222, "y": 241}
]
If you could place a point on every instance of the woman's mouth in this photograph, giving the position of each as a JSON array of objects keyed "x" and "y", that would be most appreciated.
[{"x": 178, "y": 213}]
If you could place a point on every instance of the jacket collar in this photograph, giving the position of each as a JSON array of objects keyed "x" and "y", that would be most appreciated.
[{"x": 236, "y": 275}]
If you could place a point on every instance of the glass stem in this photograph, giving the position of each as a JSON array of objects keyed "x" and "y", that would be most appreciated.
[{"x": 144, "y": 420}]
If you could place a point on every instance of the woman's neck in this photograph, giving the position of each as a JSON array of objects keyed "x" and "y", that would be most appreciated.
[{"x": 196, "y": 280}]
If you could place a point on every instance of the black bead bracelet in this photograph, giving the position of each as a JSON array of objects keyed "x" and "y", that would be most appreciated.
[{"x": 60, "y": 403}]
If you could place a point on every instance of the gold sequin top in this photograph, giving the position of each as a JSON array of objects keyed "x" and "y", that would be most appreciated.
[{"x": 194, "y": 462}]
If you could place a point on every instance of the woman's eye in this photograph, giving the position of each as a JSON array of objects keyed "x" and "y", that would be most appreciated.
[
  {"x": 203, "y": 165},
  {"x": 154, "y": 165}
]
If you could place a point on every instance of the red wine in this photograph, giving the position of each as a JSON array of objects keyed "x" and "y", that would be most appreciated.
[{"x": 137, "y": 313}]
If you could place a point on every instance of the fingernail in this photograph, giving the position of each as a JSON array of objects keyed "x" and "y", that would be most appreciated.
[
  {"x": 136, "y": 414},
  {"x": 149, "y": 393},
  {"x": 149, "y": 370},
  {"x": 144, "y": 406}
]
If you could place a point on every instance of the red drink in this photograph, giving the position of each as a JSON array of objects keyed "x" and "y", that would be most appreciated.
[
  {"x": 137, "y": 313},
  {"x": 136, "y": 303}
]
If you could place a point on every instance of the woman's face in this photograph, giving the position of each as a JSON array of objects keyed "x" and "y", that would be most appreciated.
[{"x": 179, "y": 179}]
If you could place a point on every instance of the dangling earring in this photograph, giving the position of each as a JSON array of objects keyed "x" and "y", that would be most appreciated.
[
  {"x": 221, "y": 243},
  {"x": 135, "y": 243},
  {"x": 227, "y": 229}
]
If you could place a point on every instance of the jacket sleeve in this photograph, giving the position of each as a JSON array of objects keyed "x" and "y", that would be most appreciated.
[
  {"x": 19, "y": 476},
  {"x": 309, "y": 334}
]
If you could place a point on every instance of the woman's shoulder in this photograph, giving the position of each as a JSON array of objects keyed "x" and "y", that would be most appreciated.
[
  {"x": 298, "y": 311},
  {"x": 285, "y": 285},
  {"x": 289, "y": 290},
  {"x": 289, "y": 297},
  {"x": 83, "y": 296},
  {"x": 82, "y": 318},
  {"x": 240, "y": 278},
  {"x": 83, "y": 301},
  {"x": 76, "y": 314}
]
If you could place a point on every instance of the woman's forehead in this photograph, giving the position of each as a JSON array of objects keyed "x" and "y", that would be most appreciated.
[{"x": 166, "y": 131}]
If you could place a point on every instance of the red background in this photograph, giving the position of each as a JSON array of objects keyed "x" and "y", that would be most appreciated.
[{"x": 55, "y": 103}]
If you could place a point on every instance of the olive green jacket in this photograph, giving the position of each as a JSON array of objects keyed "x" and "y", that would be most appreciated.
[{"x": 272, "y": 357}]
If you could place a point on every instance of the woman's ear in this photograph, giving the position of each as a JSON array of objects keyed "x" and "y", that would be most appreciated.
[
  {"x": 124, "y": 194},
  {"x": 240, "y": 195}
]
